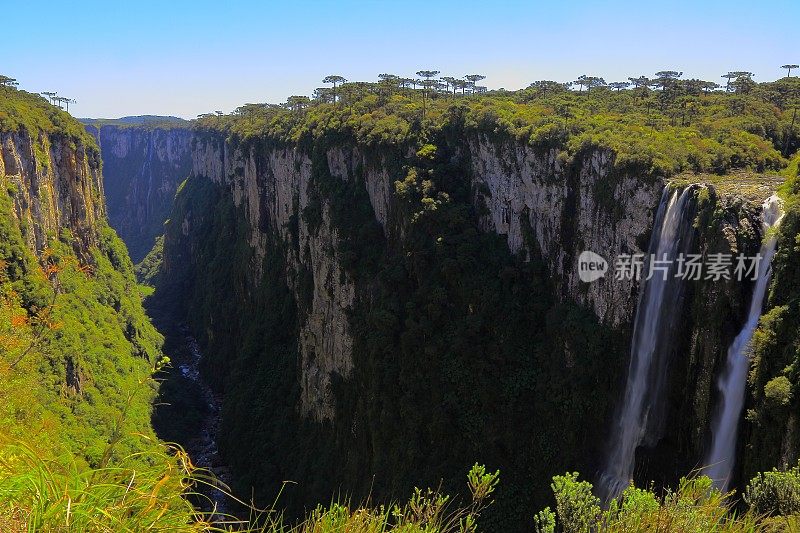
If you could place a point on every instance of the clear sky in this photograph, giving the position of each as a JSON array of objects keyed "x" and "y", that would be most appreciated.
[{"x": 176, "y": 57}]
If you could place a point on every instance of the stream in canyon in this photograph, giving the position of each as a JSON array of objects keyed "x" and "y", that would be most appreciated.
[
  {"x": 202, "y": 448},
  {"x": 201, "y": 442}
]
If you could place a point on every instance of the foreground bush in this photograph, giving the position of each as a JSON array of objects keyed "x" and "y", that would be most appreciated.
[{"x": 696, "y": 506}]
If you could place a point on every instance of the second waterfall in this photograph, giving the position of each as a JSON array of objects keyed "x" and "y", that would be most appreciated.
[{"x": 733, "y": 380}]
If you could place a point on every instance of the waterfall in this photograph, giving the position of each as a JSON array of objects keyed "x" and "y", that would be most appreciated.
[
  {"x": 641, "y": 416},
  {"x": 733, "y": 380}
]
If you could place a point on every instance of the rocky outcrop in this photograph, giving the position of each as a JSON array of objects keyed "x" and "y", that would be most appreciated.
[
  {"x": 142, "y": 166},
  {"x": 565, "y": 211},
  {"x": 57, "y": 184}
]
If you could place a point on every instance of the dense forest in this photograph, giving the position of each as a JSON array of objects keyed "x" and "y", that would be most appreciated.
[{"x": 463, "y": 351}]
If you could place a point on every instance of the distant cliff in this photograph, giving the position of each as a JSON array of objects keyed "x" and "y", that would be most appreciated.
[{"x": 143, "y": 164}]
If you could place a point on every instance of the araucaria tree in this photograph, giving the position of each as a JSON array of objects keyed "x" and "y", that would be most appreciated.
[
  {"x": 335, "y": 80},
  {"x": 427, "y": 85},
  {"x": 473, "y": 79},
  {"x": 729, "y": 76},
  {"x": 5, "y": 81},
  {"x": 789, "y": 68}
]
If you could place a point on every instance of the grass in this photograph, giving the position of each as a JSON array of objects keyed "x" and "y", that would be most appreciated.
[{"x": 151, "y": 494}]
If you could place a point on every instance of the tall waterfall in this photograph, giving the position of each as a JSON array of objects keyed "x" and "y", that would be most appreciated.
[
  {"x": 640, "y": 418},
  {"x": 733, "y": 380}
]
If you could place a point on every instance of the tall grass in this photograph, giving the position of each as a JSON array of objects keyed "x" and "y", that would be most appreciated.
[
  {"x": 152, "y": 492},
  {"x": 145, "y": 492}
]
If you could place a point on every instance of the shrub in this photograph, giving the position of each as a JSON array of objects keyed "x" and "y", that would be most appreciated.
[{"x": 774, "y": 493}]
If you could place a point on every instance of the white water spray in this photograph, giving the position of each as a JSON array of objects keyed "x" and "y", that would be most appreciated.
[
  {"x": 640, "y": 418},
  {"x": 733, "y": 380}
]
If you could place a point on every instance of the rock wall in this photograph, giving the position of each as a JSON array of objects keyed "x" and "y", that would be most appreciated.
[
  {"x": 567, "y": 211},
  {"x": 273, "y": 191},
  {"x": 545, "y": 208},
  {"x": 143, "y": 167},
  {"x": 57, "y": 185}
]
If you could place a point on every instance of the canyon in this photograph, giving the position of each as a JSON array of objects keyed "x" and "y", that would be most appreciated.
[
  {"x": 283, "y": 259},
  {"x": 364, "y": 315}
]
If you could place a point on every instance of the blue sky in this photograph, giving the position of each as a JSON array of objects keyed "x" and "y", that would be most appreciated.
[{"x": 184, "y": 58}]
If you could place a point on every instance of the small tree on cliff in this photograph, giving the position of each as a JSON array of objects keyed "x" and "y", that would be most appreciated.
[
  {"x": 336, "y": 81},
  {"x": 790, "y": 68}
]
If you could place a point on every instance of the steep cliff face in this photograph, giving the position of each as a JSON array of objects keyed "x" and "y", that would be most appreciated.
[
  {"x": 143, "y": 166},
  {"x": 57, "y": 185},
  {"x": 566, "y": 212},
  {"x": 548, "y": 210},
  {"x": 530, "y": 199}
]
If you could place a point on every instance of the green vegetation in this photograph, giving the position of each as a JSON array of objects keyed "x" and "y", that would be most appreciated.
[
  {"x": 453, "y": 320},
  {"x": 38, "y": 494},
  {"x": 694, "y": 506},
  {"x": 77, "y": 340},
  {"x": 150, "y": 122},
  {"x": 76, "y": 349},
  {"x": 463, "y": 351},
  {"x": 447, "y": 316},
  {"x": 672, "y": 128},
  {"x": 150, "y": 267},
  {"x": 31, "y": 112}
]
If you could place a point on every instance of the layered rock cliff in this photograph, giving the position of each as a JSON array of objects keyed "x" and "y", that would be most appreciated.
[
  {"x": 57, "y": 185},
  {"x": 143, "y": 166},
  {"x": 364, "y": 300}
]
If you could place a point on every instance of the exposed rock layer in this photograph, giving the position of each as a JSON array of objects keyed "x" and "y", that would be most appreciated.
[{"x": 57, "y": 185}]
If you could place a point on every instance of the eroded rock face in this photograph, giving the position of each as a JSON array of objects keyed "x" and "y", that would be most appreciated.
[
  {"x": 142, "y": 167},
  {"x": 523, "y": 192},
  {"x": 564, "y": 214},
  {"x": 545, "y": 208},
  {"x": 57, "y": 185},
  {"x": 272, "y": 193}
]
